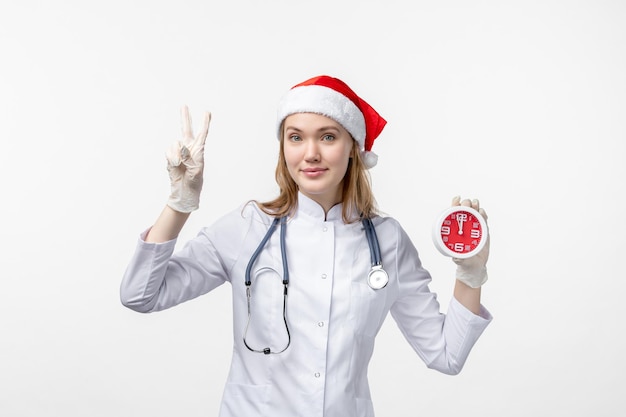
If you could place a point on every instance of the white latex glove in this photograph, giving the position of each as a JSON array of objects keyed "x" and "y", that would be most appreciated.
[
  {"x": 185, "y": 164},
  {"x": 472, "y": 271}
]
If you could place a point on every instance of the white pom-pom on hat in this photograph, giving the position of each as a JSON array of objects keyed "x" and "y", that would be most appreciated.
[
  {"x": 332, "y": 98},
  {"x": 370, "y": 159}
]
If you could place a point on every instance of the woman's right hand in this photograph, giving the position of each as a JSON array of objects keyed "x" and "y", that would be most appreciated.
[{"x": 185, "y": 164}]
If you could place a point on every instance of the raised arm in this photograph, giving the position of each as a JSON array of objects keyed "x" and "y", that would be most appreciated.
[{"x": 185, "y": 164}]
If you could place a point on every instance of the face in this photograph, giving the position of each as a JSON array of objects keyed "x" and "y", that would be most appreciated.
[{"x": 317, "y": 151}]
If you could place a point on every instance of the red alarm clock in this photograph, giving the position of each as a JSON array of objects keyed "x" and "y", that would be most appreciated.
[{"x": 460, "y": 232}]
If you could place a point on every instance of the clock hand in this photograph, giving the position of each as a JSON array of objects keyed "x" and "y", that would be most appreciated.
[{"x": 460, "y": 219}]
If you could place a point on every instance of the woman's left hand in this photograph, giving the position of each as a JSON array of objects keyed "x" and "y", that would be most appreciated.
[{"x": 472, "y": 271}]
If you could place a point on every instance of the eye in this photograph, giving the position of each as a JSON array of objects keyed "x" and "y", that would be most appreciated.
[
  {"x": 295, "y": 138},
  {"x": 328, "y": 138}
]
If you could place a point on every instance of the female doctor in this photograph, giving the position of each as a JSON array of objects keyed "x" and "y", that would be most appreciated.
[{"x": 306, "y": 305}]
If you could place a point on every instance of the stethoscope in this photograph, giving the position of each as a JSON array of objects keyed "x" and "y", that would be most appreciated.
[{"x": 377, "y": 278}]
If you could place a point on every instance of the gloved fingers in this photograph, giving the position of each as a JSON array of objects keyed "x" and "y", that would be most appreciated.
[
  {"x": 473, "y": 203},
  {"x": 174, "y": 154},
  {"x": 483, "y": 213},
  {"x": 185, "y": 121},
  {"x": 204, "y": 132},
  {"x": 184, "y": 153},
  {"x": 190, "y": 149}
]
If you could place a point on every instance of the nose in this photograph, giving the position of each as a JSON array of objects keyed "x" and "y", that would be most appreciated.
[{"x": 312, "y": 152}]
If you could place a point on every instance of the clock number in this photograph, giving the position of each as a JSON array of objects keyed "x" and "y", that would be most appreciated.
[{"x": 460, "y": 232}]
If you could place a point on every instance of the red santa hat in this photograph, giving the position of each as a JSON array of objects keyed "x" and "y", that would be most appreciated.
[{"x": 332, "y": 98}]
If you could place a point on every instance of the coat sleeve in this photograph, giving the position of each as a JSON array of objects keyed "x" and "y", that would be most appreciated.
[
  {"x": 156, "y": 278},
  {"x": 443, "y": 341}
]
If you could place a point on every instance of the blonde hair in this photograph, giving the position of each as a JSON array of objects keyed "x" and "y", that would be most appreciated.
[{"x": 357, "y": 195}]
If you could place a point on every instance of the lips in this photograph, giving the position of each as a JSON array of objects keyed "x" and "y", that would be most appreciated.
[{"x": 313, "y": 172}]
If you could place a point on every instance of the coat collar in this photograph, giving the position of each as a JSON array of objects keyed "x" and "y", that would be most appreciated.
[{"x": 311, "y": 209}]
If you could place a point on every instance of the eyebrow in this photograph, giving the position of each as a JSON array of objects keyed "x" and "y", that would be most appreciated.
[{"x": 321, "y": 129}]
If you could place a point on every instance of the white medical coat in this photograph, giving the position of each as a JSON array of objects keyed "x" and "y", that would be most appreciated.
[{"x": 333, "y": 315}]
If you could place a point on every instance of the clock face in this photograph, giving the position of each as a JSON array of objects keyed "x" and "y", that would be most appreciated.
[{"x": 460, "y": 232}]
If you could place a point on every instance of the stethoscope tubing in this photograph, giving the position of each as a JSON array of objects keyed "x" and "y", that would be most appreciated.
[
  {"x": 372, "y": 240},
  {"x": 377, "y": 277},
  {"x": 258, "y": 250},
  {"x": 248, "y": 281}
]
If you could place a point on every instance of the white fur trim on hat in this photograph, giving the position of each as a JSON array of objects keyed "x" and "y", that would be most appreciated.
[{"x": 327, "y": 102}]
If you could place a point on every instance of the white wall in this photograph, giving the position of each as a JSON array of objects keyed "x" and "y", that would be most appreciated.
[{"x": 520, "y": 104}]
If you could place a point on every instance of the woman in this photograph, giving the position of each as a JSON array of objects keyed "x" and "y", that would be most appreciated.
[{"x": 305, "y": 317}]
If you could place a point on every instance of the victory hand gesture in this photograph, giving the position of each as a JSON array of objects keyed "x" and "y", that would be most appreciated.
[{"x": 185, "y": 164}]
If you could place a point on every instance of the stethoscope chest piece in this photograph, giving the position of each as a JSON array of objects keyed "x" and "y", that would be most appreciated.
[{"x": 377, "y": 278}]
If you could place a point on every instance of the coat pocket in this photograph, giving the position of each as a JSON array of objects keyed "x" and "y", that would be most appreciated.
[{"x": 244, "y": 400}]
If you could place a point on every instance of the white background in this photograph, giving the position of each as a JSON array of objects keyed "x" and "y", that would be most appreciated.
[{"x": 520, "y": 104}]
